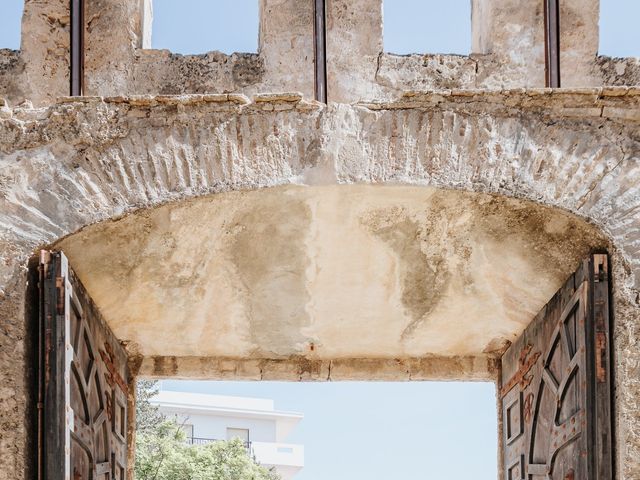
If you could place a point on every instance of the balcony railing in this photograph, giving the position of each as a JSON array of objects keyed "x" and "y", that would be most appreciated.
[
  {"x": 266, "y": 453},
  {"x": 205, "y": 441}
]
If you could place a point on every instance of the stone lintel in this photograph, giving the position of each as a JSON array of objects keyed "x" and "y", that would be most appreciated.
[{"x": 304, "y": 369}]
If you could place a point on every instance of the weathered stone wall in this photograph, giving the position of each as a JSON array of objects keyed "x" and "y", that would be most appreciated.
[
  {"x": 302, "y": 369},
  {"x": 90, "y": 160},
  {"x": 14, "y": 392},
  {"x": 399, "y": 73},
  {"x": 116, "y": 63},
  {"x": 161, "y": 72},
  {"x": 71, "y": 163},
  {"x": 113, "y": 34},
  {"x": 507, "y": 52},
  {"x": 579, "y": 39},
  {"x": 593, "y": 130},
  {"x": 294, "y": 271},
  {"x": 10, "y": 68},
  {"x": 44, "y": 51},
  {"x": 617, "y": 71},
  {"x": 626, "y": 310}
]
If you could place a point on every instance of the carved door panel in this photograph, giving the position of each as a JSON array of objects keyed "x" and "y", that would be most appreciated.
[
  {"x": 84, "y": 385},
  {"x": 556, "y": 385}
]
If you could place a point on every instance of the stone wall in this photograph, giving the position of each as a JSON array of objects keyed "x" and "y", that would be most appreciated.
[
  {"x": 14, "y": 391},
  {"x": 70, "y": 163},
  {"x": 507, "y": 52},
  {"x": 10, "y": 67},
  {"x": 301, "y": 369},
  {"x": 626, "y": 311},
  {"x": 165, "y": 73}
]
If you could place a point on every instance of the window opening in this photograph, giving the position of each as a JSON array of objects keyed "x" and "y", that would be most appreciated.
[
  {"x": 11, "y": 24},
  {"x": 201, "y": 26},
  {"x": 427, "y": 26},
  {"x": 239, "y": 433},
  {"x": 619, "y": 33}
]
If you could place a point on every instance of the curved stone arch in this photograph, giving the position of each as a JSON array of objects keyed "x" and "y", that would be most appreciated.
[{"x": 81, "y": 163}]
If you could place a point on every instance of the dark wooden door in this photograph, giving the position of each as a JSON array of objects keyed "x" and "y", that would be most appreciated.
[
  {"x": 556, "y": 385},
  {"x": 85, "y": 382}
]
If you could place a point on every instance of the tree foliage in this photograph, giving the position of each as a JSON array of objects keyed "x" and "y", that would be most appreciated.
[
  {"x": 162, "y": 452},
  {"x": 148, "y": 416}
]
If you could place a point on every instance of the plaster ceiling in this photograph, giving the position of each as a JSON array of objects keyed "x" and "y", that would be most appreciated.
[{"x": 328, "y": 272}]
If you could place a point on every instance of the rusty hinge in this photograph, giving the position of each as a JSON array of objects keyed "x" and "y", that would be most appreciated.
[
  {"x": 601, "y": 357},
  {"x": 522, "y": 376},
  {"x": 600, "y": 306},
  {"x": 60, "y": 295},
  {"x": 112, "y": 378}
]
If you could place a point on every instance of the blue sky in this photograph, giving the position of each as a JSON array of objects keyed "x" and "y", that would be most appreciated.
[
  {"x": 197, "y": 26},
  {"x": 383, "y": 431}
]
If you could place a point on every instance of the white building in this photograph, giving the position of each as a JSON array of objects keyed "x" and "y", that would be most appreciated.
[{"x": 208, "y": 418}]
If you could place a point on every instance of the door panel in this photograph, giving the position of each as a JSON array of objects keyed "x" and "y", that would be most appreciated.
[
  {"x": 85, "y": 382},
  {"x": 555, "y": 379}
]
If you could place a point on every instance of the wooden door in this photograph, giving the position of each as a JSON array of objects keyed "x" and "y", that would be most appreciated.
[
  {"x": 556, "y": 385},
  {"x": 84, "y": 383}
]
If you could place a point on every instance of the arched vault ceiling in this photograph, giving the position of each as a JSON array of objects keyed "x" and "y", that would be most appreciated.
[{"x": 329, "y": 272}]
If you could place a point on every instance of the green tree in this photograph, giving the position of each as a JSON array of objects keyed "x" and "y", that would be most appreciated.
[
  {"x": 163, "y": 454},
  {"x": 148, "y": 416}
]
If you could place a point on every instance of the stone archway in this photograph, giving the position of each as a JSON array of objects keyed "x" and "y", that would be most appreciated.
[
  {"x": 328, "y": 282},
  {"x": 76, "y": 164},
  {"x": 85, "y": 162}
]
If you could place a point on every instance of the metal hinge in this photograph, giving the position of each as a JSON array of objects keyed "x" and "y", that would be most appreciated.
[
  {"x": 601, "y": 356},
  {"x": 60, "y": 295},
  {"x": 600, "y": 305}
]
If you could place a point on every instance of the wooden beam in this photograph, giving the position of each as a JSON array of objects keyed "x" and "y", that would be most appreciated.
[{"x": 552, "y": 43}]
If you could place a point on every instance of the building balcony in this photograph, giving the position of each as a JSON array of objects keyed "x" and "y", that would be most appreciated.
[
  {"x": 205, "y": 441},
  {"x": 278, "y": 454},
  {"x": 266, "y": 453}
]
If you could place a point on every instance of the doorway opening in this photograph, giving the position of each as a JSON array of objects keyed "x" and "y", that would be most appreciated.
[
  {"x": 554, "y": 395},
  {"x": 333, "y": 430}
]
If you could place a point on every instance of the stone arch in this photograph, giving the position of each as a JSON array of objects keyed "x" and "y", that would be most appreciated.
[
  {"x": 80, "y": 163},
  {"x": 85, "y": 162}
]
